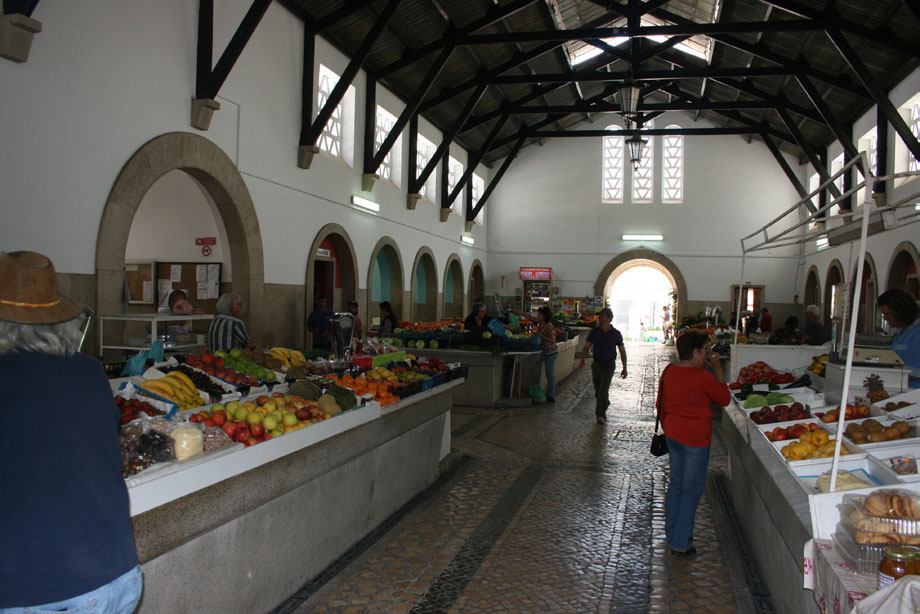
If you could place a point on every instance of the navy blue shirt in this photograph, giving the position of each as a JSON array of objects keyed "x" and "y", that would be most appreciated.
[
  {"x": 605, "y": 343},
  {"x": 321, "y": 320},
  {"x": 65, "y": 522}
]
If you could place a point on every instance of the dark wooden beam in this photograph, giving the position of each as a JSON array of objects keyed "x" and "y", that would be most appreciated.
[
  {"x": 474, "y": 160},
  {"x": 19, "y": 7},
  {"x": 494, "y": 14},
  {"x": 370, "y": 120},
  {"x": 820, "y": 167},
  {"x": 412, "y": 107},
  {"x": 875, "y": 89},
  {"x": 416, "y": 183},
  {"x": 205, "y": 48},
  {"x": 547, "y": 134},
  {"x": 349, "y": 74},
  {"x": 641, "y": 75},
  {"x": 840, "y": 132},
  {"x": 881, "y": 153},
  {"x": 306, "y": 82},
  {"x": 216, "y": 78},
  {"x": 790, "y": 174}
]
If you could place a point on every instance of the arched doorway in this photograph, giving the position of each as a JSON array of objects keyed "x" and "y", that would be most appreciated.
[
  {"x": 867, "y": 321},
  {"x": 217, "y": 176},
  {"x": 332, "y": 272},
  {"x": 902, "y": 272},
  {"x": 650, "y": 258},
  {"x": 812, "y": 287},
  {"x": 636, "y": 292},
  {"x": 834, "y": 277},
  {"x": 424, "y": 287},
  {"x": 385, "y": 279},
  {"x": 477, "y": 292},
  {"x": 453, "y": 288}
]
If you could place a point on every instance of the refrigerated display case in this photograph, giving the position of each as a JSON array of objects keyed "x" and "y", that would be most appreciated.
[{"x": 537, "y": 288}]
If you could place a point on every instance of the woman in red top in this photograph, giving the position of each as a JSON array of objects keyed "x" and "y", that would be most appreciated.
[
  {"x": 684, "y": 396},
  {"x": 547, "y": 334}
]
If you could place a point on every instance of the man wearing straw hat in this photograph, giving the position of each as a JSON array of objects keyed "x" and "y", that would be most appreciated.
[{"x": 65, "y": 525}]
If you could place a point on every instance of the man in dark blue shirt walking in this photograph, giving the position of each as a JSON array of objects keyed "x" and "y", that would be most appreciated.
[{"x": 605, "y": 340}]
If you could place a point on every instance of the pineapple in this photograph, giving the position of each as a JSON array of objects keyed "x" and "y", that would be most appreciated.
[{"x": 876, "y": 389}]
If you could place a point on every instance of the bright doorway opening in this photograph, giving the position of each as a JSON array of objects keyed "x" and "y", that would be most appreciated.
[{"x": 636, "y": 293}]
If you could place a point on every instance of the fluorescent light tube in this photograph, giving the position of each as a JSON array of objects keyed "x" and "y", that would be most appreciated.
[
  {"x": 466, "y": 239},
  {"x": 643, "y": 238},
  {"x": 365, "y": 204}
]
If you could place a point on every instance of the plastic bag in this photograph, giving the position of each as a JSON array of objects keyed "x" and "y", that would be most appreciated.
[
  {"x": 188, "y": 440},
  {"x": 902, "y": 595},
  {"x": 214, "y": 437},
  {"x": 537, "y": 394},
  {"x": 135, "y": 364}
]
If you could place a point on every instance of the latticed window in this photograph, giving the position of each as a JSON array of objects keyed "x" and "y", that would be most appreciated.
[
  {"x": 331, "y": 138},
  {"x": 643, "y": 175},
  {"x": 613, "y": 168},
  {"x": 454, "y": 172},
  {"x": 382, "y": 127},
  {"x": 423, "y": 152},
  {"x": 836, "y": 165},
  {"x": 479, "y": 186},
  {"x": 672, "y": 162},
  {"x": 913, "y": 163}
]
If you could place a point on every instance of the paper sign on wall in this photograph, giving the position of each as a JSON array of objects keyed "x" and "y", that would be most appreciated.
[
  {"x": 203, "y": 291},
  {"x": 201, "y": 273},
  {"x": 148, "y": 291},
  {"x": 175, "y": 272},
  {"x": 213, "y": 290},
  {"x": 213, "y": 273}
]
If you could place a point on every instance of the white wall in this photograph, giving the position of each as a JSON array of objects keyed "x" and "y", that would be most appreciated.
[
  {"x": 174, "y": 212},
  {"x": 547, "y": 211},
  {"x": 103, "y": 80}
]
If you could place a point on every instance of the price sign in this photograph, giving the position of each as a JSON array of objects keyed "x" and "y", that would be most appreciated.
[
  {"x": 205, "y": 241},
  {"x": 536, "y": 273}
]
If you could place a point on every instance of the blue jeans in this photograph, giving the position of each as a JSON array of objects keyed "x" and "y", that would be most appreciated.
[
  {"x": 688, "y": 477},
  {"x": 549, "y": 363},
  {"x": 120, "y": 596}
]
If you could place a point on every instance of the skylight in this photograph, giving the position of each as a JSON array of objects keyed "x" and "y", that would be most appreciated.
[{"x": 699, "y": 11}]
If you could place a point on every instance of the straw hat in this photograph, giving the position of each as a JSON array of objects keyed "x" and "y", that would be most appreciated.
[{"x": 28, "y": 291}]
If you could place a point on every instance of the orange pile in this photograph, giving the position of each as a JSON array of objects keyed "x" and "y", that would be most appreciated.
[{"x": 379, "y": 390}]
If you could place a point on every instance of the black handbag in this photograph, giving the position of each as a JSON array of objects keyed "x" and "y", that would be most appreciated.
[{"x": 659, "y": 441}]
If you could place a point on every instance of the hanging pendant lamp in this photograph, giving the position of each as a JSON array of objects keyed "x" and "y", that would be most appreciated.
[{"x": 628, "y": 97}]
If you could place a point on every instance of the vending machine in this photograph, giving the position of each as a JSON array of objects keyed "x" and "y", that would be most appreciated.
[{"x": 537, "y": 288}]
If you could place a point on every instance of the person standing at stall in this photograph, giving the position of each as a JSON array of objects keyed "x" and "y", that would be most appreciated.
[
  {"x": 606, "y": 340},
  {"x": 66, "y": 542},
  {"x": 900, "y": 311},
  {"x": 477, "y": 318},
  {"x": 685, "y": 394},
  {"x": 227, "y": 330},
  {"x": 388, "y": 321},
  {"x": 766, "y": 320},
  {"x": 547, "y": 334},
  {"x": 319, "y": 323},
  {"x": 813, "y": 334},
  {"x": 357, "y": 331}
]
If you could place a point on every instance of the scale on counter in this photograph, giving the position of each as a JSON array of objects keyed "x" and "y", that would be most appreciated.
[{"x": 871, "y": 351}]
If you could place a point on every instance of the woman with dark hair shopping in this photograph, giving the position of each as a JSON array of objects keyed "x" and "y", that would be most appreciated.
[
  {"x": 685, "y": 394},
  {"x": 547, "y": 334},
  {"x": 900, "y": 311},
  {"x": 388, "y": 321}
]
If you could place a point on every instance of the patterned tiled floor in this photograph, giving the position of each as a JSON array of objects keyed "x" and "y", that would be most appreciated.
[{"x": 549, "y": 513}]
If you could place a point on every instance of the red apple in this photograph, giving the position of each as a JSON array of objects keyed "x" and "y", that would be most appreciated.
[
  {"x": 262, "y": 400},
  {"x": 194, "y": 418},
  {"x": 257, "y": 430},
  {"x": 209, "y": 369},
  {"x": 303, "y": 414},
  {"x": 779, "y": 434},
  {"x": 267, "y": 436},
  {"x": 230, "y": 429},
  {"x": 207, "y": 357},
  {"x": 251, "y": 382},
  {"x": 251, "y": 441},
  {"x": 277, "y": 394},
  {"x": 219, "y": 417},
  {"x": 242, "y": 434}
]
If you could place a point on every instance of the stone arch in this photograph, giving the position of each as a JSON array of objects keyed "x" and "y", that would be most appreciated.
[
  {"x": 216, "y": 173},
  {"x": 345, "y": 250},
  {"x": 476, "y": 287},
  {"x": 396, "y": 298},
  {"x": 429, "y": 310},
  {"x": 868, "y": 294},
  {"x": 834, "y": 275},
  {"x": 812, "y": 294},
  {"x": 904, "y": 252},
  {"x": 648, "y": 257},
  {"x": 451, "y": 310}
]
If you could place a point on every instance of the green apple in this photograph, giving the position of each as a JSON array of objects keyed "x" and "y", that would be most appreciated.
[
  {"x": 236, "y": 353},
  {"x": 487, "y": 335},
  {"x": 218, "y": 406},
  {"x": 270, "y": 423},
  {"x": 290, "y": 419},
  {"x": 254, "y": 417},
  {"x": 277, "y": 433},
  {"x": 240, "y": 413}
]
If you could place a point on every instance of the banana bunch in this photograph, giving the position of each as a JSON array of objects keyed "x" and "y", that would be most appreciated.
[
  {"x": 818, "y": 363},
  {"x": 290, "y": 358},
  {"x": 175, "y": 386}
]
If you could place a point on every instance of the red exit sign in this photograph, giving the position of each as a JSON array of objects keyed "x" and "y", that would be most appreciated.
[
  {"x": 536, "y": 273},
  {"x": 205, "y": 240}
]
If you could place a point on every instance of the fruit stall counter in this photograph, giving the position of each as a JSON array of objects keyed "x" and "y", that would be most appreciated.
[
  {"x": 272, "y": 516},
  {"x": 494, "y": 376},
  {"x": 778, "y": 503},
  {"x": 582, "y": 335}
]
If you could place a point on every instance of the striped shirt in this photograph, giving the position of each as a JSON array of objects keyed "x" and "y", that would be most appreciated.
[{"x": 227, "y": 332}]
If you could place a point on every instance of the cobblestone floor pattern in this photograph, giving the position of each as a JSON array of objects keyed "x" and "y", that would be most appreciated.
[{"x": 554, "y": 514}]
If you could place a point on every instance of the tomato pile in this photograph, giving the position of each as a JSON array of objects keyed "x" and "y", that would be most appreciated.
[
  {"x": 761, "y": 373},
  {"x": 131, "y": 409}
]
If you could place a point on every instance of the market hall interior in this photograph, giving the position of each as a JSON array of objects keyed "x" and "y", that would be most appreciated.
[{"x": 155, "y": 158}]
